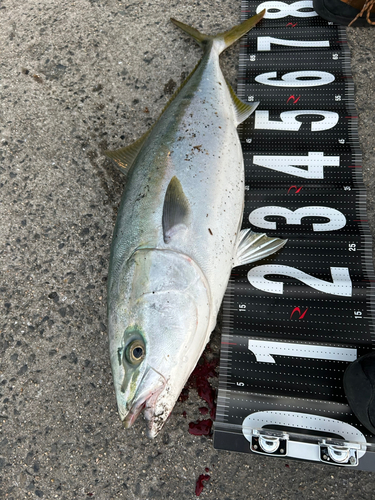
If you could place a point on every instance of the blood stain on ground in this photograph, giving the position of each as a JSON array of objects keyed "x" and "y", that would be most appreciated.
[
  {"x": 199, "y": 485},
  {"x": 205, "y": 369},
  {"x": 201, "y": 428},
  {"x": 199, "y": 380}
]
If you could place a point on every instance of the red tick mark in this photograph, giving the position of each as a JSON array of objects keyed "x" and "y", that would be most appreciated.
[
  {"x": 295, "y": 187},
  {"x": 297, "y": 309},
  {"x": 295, "y": 100},
  {"x": 292, "y": 25}
]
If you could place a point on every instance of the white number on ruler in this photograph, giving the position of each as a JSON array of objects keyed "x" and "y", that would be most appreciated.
[
  {"x": 317, "y": 78},
  {"x": 289, "y": 122},
  {"x": 341, "y": 283},
  {"x": 264, "y": 350},
  {"x": 315, "y": 162},
  {"x": 336, "y": 219},
  {"x": 264, "y": 43},
  {"x": 287, "y": 10}
]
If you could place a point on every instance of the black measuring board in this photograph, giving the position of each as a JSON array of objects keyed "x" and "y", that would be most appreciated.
[{"x": 294, "y": 321}]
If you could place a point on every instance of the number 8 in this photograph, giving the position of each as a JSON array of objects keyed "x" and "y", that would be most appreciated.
[{"x": 287, "y": 10}]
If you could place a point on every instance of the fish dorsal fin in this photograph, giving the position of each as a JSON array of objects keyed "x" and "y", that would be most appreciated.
[
  {"x": 124, "y": 157},
  {"x": 175, "y": 210},
  {"x": 180, "y": 87},
  {"x": 242, "y": 109},
  {"x": 255, "y": 246}
]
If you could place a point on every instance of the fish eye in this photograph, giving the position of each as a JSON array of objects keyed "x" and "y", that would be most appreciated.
[{"x": 135, "y": 352}]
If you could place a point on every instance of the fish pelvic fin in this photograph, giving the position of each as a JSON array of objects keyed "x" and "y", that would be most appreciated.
[
  {"x": 255, "y": 246},
  {"x": 222, "y": 40}
]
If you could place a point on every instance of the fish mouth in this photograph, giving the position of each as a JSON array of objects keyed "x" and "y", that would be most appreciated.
[{"x": 146, "y": 400}]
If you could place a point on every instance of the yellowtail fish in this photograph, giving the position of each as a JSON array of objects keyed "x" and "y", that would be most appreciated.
[{"x": 178, "y": 236}]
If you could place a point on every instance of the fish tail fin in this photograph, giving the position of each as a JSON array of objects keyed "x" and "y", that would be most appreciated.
[
  {"x": 232, "y": 35},
  {"x": 199, "y": 37},
  {"x": 221, "y": 40}
]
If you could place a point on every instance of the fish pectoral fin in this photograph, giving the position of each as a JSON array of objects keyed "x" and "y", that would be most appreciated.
[
  {"x": 242, "y": 109},
  {"x": 255, "y": 246},
  {"x": 173, "y": 231},
  {"x": 125, "y": 157},
  {"x": 176, "y": 210}
]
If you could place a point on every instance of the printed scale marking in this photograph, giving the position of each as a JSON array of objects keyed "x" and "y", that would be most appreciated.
[{"x": 293, "y": 322}]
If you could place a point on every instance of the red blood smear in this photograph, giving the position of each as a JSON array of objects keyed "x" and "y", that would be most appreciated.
[
  {"x": 199, "y": 484},
  {"x": 201, "y": 428},
  {"x": 206, "y": 392},
  {"x": 207, "y": 469},
  {"x": 184, "y": 414},
  {"x": 203, "y": 410},
  {"x": 199, "y": 380}
]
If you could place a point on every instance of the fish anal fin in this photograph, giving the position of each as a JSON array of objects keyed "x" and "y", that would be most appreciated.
[
  {"x": 242, "y": 109},
  {"x": 255, "y": 246},
  {"x": 176, "y": 210},
  {"x": 125, "y": 157}
]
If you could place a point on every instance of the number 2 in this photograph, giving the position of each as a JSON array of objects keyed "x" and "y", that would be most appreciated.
[{"x": 341, "y": 283}]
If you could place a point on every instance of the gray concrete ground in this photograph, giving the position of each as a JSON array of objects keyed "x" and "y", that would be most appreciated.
[{"x": 78, "y": 76}]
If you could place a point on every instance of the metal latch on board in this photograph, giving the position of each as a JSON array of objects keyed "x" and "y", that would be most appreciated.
[
  {"x": 269, "y": 442},
  {"x": 275, "y": 443},
  {"x": 339, "y": 453}
]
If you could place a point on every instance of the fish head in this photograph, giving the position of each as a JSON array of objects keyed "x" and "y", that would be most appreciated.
[{"x": 158, "y": 326}]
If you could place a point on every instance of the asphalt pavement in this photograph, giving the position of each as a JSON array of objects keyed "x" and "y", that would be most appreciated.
[{"x": 78, "y": 77}]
